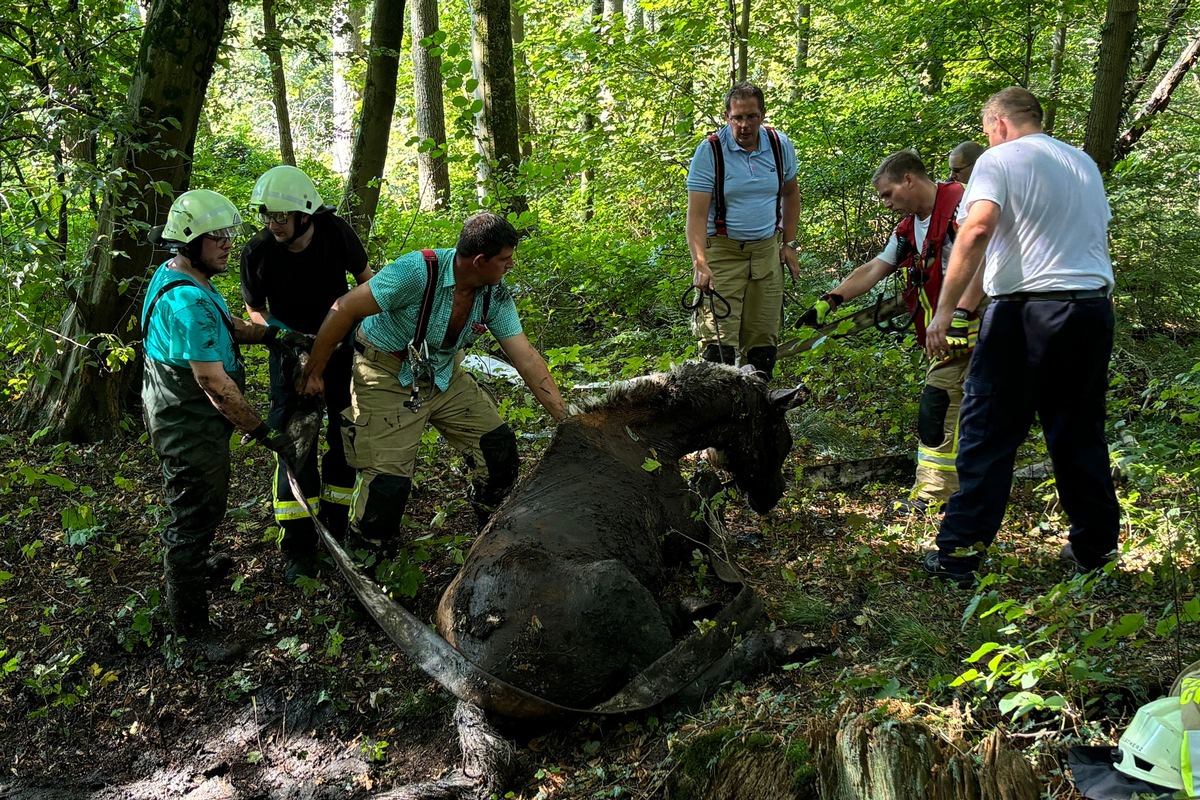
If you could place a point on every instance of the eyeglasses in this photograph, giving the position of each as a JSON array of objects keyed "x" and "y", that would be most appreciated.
[
  {"x": 955, "y": 170},
  {"x": 277, "y": 217},
  {"x": 746, "y": 119},
  {"x": 222, "y": 234}
]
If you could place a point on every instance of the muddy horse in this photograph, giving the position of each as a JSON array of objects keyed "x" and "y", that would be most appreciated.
[{"x": 561, "y": 596}]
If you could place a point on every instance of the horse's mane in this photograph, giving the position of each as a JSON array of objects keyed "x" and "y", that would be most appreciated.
[{"x": 685, "y": 386}]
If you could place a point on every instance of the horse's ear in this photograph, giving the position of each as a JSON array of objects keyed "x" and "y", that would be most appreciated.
[{"x": 783, "y": 399}]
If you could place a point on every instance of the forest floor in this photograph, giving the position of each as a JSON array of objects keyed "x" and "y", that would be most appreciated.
[{"x": 98, "y": 701}]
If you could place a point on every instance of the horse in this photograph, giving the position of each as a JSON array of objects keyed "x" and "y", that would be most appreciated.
[{"x": 561, "y": 596}]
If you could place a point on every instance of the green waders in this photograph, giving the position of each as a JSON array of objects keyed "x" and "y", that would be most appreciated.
[{"x": 191, "y": 439}]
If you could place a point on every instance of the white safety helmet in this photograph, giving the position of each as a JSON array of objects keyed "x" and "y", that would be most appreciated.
[{"x": 1149, "y": 748}]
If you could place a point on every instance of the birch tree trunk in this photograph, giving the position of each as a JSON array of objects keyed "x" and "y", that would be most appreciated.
[{"x": 347, "y": 53}]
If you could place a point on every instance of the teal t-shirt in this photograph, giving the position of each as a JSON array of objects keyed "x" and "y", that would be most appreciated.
[
  {"x": 399, "y": 288},
  {"x": 189, "y": 323}
]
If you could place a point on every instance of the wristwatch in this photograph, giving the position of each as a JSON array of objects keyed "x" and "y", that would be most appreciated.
[{"x": 794, "y": 244}]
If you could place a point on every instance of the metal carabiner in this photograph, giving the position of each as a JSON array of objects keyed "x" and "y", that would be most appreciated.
[{"x": 422, "y": 369}]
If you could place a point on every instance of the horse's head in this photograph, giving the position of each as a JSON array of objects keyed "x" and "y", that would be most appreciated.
[{"x": 757, "y": 441}]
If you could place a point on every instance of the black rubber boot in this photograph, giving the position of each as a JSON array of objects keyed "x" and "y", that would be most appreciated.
[
  {"x": 187, "y": 602},
  {"x": 217, "y": 568},
  {"x": 763, "y": 359},
  {"x": 378, "y": 530},
  {"x": 721, "y": 354},
  {"x": 499, "y": 448}
]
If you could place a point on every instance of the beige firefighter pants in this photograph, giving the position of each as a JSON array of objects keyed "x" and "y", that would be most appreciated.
[
  {"x": 750, "y": 277},
  {"x": 940, "y": 402},
  {"x": 382, "y": 436}
]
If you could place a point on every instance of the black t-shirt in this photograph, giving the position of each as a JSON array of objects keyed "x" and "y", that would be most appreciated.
[{"x": 299, "y": 288}]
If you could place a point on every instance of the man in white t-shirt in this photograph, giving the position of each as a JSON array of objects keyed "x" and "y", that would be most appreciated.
[
  {"x": 1036, "y": 209},
  {"x": 919, "y": 248}
]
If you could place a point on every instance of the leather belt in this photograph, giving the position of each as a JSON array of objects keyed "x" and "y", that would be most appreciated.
[{"x": 1062, "y": 294}]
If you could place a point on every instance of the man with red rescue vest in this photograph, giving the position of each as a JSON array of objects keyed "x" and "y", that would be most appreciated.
[
  {"x": 743, "y": 209},
  {"x": 920, "y": 247}
]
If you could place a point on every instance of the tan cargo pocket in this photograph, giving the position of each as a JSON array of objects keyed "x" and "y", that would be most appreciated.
[{"x": 355, "y": 440}]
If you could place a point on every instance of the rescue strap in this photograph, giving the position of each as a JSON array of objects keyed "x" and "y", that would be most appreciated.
[
  {"x": 444, "y": 663},
  {"x": 718, "y": 198}
]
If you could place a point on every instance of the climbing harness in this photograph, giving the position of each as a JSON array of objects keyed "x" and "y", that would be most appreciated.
[{"x": 693, "y": 304}]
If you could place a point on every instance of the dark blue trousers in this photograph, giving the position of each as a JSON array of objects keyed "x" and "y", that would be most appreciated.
[{"x": 1047, "y": 357}]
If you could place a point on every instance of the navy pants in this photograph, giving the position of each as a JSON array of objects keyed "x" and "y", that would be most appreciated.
[{"x": 1048, "y": 357}]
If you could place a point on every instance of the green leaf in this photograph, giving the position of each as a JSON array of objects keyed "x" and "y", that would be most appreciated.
[
  {"x": 983, "y": 650},
  {"x": 650, "y": 465},
  {"x": 1128, "y": 624}
]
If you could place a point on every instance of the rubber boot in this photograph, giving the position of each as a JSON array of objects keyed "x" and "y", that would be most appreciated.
[
  {"x": 217, "y": 568},
  {"x": 721, "y": 354},
  {"x": 763, "y": 359},
  {"x": 378, "y": 529},
  {"x": 187, "y": 602}
]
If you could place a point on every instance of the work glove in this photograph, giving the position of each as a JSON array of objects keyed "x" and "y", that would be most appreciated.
[
  {"x": 819, "y": 314},
  {"x": 960, "y": 326},
  {"x": 278, "y": 441},
  {"x": 290, "y": 339}
]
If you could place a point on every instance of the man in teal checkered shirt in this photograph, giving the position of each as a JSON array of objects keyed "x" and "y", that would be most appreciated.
[{"x": 382, "y": 433}]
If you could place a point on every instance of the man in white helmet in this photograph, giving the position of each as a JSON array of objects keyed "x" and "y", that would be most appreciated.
[
  {"x": 292, "y": 272},
  {"x": 192, "y": 400}
]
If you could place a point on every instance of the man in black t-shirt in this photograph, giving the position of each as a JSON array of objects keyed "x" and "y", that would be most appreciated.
[{"x": 292, "y": 272}]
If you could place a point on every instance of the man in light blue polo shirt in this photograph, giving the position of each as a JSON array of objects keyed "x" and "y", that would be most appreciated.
[
  {"x": 743, "y": 211},
  {"x": 394, "y": 394}
]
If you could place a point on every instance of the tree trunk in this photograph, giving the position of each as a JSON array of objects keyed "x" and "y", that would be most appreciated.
[
  {"x": 83, "y": 399},
  {"x": 890, "y": 754},
  {"x": 1158, "y": 100},
  {"x": 636, "y": 15},
  {"x": 1050, "y": 104},
  {"x": 271, "y": 45},
  {"x": 744, "y": 42},
  {"x": 496, "y": 136},
  {"x": 1108, "y": 91},
  {"x": 524, "y": 115},
  {"x": 1178, "y": 9},
  {"x": 433, "y": 174},
  {"x": 587, "y": 179},
  {"x": 375, "y": 121},
  {"x": 803, "y": 37},
  {"x": 347, "y": 51}
]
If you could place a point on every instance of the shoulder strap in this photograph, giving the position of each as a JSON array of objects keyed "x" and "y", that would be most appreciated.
[
  {"x": 777, "y": 154},
  {"x": 150, "y": 308},
  {"x": 182, "y": 282},
  {"x": 426, "y": 310},
  {"x": 942, "y": 224},
  {"x": 718, "y": 197}
]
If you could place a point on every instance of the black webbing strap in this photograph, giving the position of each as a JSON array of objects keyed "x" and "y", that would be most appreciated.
[{"x": 718, "y": 197}]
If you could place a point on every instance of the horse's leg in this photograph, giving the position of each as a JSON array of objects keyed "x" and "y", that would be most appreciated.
[
  {"x": 755, "y": 654},
  {"x": 488, "y": 763}
]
